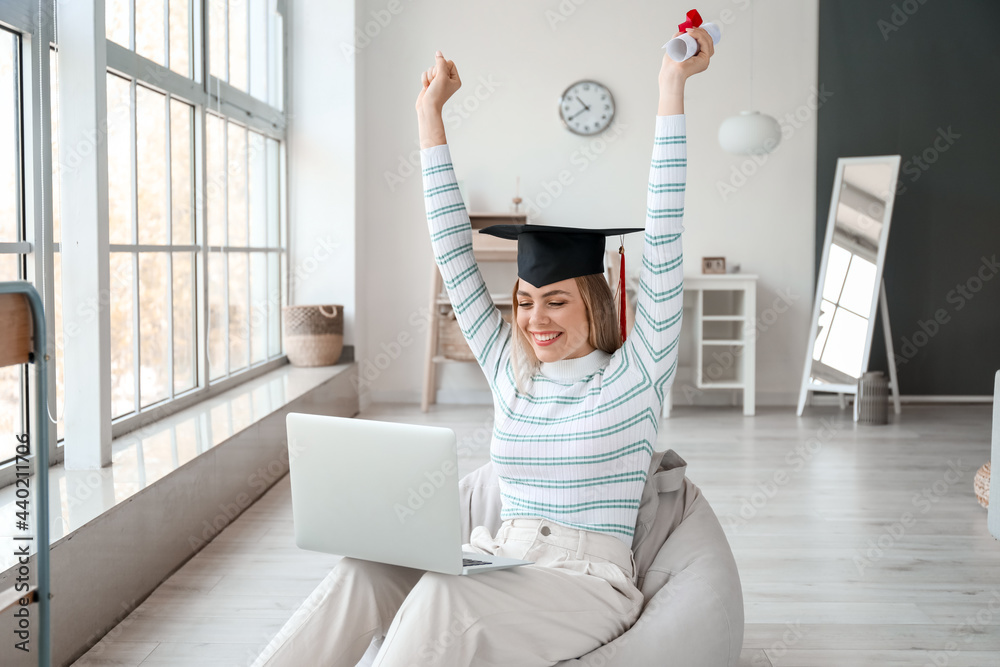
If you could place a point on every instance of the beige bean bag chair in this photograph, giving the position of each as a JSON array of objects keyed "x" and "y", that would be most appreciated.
[{"x": 693, "y": 615}]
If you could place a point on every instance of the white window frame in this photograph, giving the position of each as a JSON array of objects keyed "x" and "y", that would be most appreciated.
[
  {"x": 21, "y": 16},
  {"x": 205, "y": 93}
]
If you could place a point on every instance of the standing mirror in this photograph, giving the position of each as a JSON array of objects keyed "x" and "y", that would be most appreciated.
[{"x": 850, "y": 286}]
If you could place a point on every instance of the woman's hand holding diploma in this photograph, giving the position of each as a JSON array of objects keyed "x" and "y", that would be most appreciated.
[{"x": 673, "y": 74}]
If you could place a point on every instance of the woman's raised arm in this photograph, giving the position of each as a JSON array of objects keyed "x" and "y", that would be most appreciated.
[
  {"x": 659, "y": 303},
  {"x": 450, "y": 228}
]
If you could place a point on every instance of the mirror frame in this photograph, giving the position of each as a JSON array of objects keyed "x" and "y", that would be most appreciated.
[{"x": 807, "y": 385}]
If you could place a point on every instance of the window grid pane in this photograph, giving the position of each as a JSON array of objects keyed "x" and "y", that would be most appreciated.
[
  {"x": 149, "y": 30},
  {"x": 257, "y": 204},
  {"x": 116, "y": 21},
  {"x": 10, "y": 130},
  {"x": 181, "y": 172},
  {"x": 217, "y": 51},
  {"x": 185, "y": 331},
  {"x": 152, "y": 157},
  {"x": 238, "y": 29},
  {"x": 154, "y": 321},
  {"x": 218, "y": 323},
  {"x": 54, "y": 136},
  {"x": 122, "y": 335},
  {"x": 58, "y": 409},
  {"x": 12, "y": 386},
  {"x": 215, "y": 147},
  {"x": 151, "y": 165},
  {"x": 119, "y": 160},
  {"x": 238, "y": 321},
  {"x": 258, "y": 52},
  {"x": 258, "y": 307},
  {"x": 236, "y": 175},
  {"x": 180, "y": 36},
  {"x": 274, "y": 304}
]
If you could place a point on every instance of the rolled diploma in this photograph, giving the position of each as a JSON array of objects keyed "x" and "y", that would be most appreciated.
[{"x": 684, "y": 46}]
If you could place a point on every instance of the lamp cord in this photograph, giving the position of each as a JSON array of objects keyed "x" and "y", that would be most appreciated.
[{"x": 751, "y": 56}]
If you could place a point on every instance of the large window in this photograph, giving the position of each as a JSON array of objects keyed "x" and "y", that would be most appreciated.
[
  {"x": 244, "y": 47},
  {"x": 196, "y": 231},
  {"x": 146, "y": 35},
  {"x": 12, "y": 250},
  {"x": 165, "y": 343},
  {"x": 153, "y": 253},
  {"x": 244, "y": 262}
]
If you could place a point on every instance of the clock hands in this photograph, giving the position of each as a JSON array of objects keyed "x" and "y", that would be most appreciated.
[{"x": 585, "y": 108}]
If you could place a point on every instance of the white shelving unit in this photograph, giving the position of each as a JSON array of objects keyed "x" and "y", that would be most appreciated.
[
  {"x": 725, "y": 341},
  {"x": 486, "y": 249}
]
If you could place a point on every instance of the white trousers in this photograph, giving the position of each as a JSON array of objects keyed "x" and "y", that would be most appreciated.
[{"x": 579, "y": 594}]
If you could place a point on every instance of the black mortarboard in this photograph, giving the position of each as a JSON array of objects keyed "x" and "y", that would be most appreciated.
[{"x": 547, "y": 254}]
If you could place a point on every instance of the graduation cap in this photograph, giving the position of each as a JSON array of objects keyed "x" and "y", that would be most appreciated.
[{"x": 547, "y": 254}]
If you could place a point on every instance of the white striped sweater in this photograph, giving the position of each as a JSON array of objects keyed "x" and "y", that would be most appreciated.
[{"x": 574, "y": 450}]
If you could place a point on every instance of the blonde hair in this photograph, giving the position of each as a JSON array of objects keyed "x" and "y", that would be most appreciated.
[{"x": 604, "y": 331}]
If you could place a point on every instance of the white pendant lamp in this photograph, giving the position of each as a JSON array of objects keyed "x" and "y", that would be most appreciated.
[{"x": 750, "y": 132}]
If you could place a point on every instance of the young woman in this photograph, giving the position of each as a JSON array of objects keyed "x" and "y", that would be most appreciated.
[{"x": 575, "y": 423}]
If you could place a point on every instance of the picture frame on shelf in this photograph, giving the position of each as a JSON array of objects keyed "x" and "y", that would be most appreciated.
[{"x": 713, "y": 264}]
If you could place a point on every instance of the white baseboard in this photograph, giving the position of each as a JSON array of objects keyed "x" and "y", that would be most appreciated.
[
  {"x": 832, "y": 399},
  {"x": 709, "y": 398}
]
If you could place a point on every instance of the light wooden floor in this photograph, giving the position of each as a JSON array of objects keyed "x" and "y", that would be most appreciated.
[{"x": 857, "y": 545}]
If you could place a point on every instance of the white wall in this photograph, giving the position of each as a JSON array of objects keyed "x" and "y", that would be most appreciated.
[
  {"x": 325, "y": 158},
  {"x": 515, "y": 58}
]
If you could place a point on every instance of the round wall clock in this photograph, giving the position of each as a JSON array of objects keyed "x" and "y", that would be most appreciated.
[{"x": 586, "y": 107}]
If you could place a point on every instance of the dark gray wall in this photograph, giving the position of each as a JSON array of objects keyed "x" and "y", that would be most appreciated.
[{"x": 903, "y": 74}]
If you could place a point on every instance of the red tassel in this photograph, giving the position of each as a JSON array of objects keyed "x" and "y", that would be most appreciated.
[{"x": 621, "y": 287}]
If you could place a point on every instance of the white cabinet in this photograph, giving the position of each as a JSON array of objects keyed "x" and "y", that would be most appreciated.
[
  {"x": 724, "y": 329},
  {"x": 485, "y": 248}
]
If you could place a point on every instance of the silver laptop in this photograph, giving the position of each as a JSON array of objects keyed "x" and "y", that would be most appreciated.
[{"x": 380, "y": 491}]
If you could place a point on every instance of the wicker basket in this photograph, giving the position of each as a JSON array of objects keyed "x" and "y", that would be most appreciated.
[
  {"x": 982, "y": 485},
  {"x": 453, "y": 343},
  {"x": 314, "y": 335}
]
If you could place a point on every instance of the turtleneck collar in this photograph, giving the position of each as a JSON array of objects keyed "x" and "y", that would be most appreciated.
[{"x": 569, "y": 370}]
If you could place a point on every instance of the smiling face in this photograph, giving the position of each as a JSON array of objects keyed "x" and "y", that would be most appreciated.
[{"x": 554, "y": 320}]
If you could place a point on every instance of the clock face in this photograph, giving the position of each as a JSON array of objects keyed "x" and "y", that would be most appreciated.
[{"x": 586, "y": 108}]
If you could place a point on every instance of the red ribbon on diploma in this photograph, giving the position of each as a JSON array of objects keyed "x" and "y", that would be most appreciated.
[{"x": 693, "y": 21}]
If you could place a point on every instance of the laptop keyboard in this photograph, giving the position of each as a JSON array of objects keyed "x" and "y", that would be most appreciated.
[{"x": 466, "y": 562}]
